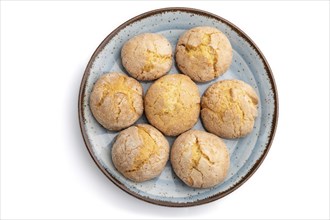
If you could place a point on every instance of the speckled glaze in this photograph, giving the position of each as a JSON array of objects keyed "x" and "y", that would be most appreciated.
[{"x": 249, "y": 65}]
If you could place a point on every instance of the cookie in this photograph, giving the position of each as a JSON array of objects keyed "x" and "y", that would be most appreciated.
[
  {"x": 203, "y": 53},
  {"x": 200, "y": 159},
  {"x": 229, "y": 108},
  {"x": 172, "y": 104},
  {"x": 116, "y": 101},
  {"x": 147, "y": 56},
  {"x": 140, "y": 152}
]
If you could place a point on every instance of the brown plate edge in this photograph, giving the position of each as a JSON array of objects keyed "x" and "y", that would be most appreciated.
[{"x": 82, "y": 119}]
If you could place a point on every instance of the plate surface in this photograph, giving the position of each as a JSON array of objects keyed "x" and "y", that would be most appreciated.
[{"x": 249, "y": 65}]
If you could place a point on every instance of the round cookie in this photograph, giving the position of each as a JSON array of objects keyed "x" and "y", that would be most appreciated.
[
  {"x": 203, "y": 53},
  {"x": 229, "y": 108},
  {"x": 140, "y": 152},
  {"x": 116, "y": 101},
  {"x": 172, "y": 104},
  {"x": 147, "y": 56},
  {"x": 200, "y": 159}
]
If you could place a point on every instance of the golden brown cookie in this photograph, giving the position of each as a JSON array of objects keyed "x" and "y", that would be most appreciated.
[
  {"x": 172, "y": 104},
  {"x": 147, "y": 56},
  {"x": 229, "y": 108},
  {"x": 116, "y": 101},
  {"x": 140, "y": 152},
  {"x": 200, "y": 159},
  {"x": 203, "y": 53}
]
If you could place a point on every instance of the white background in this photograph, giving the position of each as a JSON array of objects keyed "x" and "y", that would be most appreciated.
[{"x": 46, "y": 171}]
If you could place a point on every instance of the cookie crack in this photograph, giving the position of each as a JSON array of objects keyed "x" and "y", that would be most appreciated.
[
  {"x": 215, "y": 112},
  {"x": 119, "y": 109},
  {"x": 154, "y": 58},
  {"x": 192, "y": 182},
  {"x": 105, "y": 93},
  {"x": 149, "y": 148},
  {"x": 206, "y": 49},
  {"x": 111, "y": 90},
  {"x": 205, "y": 156},
  {"x": 150, "y": 137}
]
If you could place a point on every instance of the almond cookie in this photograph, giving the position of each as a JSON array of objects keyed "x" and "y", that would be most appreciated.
[
  {"x": 140, "y": 152},
  {"x": 203, "y": 53},
  {"x": 200, "y": 159},
  {"x": 229, "y": 108},
  {"x": 172, "y": 104},
  {"x": 147, "y": 56},
  {"x": 116, "y": 101}
]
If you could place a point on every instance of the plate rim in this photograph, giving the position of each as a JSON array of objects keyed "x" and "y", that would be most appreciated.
[{"x": 242, "y": 34}]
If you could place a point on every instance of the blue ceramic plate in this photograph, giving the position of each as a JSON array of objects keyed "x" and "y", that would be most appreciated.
[{"x": 249, "y": 65}]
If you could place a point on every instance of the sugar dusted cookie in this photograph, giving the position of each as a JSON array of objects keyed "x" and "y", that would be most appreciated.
[
  {"x": 200, "y": 159},
  {"x": 116, "y": 101},
  {"x": 147, "y": 56},
  {"x": 229, "y": 108},
  {"x": 203, "y": 53},
  {"x": 140, "y": 152},
  {"x": 172, "y": 104}
]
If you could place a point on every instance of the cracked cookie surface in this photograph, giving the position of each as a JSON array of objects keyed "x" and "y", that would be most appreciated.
[
  {"x": 116, "y": 101},
  {"x": 203, "y": 53},
  {"x": 140, "y": 152},
  {"x": 200, "y": 159},
  {"x": 172, "y": 104},
  {"x": 147, "y": 56},
  {"x": 229, "y": 108}
]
